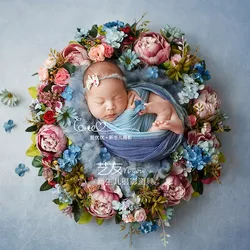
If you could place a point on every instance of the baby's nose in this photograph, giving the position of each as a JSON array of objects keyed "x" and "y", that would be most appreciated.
[{"x": 110, "y": 106}]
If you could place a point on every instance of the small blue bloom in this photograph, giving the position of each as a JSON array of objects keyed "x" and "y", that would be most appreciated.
[
  {"x": 80, "y": 33},
  {"x": 152, "y": 72},
  {"x": 118, "y": 24},
  {"x": 114, "y": 37},
  {"x": 202, "y": 74},
  {"x": 67, "y": 116},
  {"x": 195, "y": 157},
  {"x": 70, "y": 158},
  {"x": 67, "y": 93},
  {"x": 62, "y": 195},
  {"x": 104, "y": 154},
  {"x": 139, "y": 105},
  {"x": 8, "y": 126},
  {"x": 148, "y": 226},
  {"x": 21, "y": 169},
  {"x": 129, "y": 59}
]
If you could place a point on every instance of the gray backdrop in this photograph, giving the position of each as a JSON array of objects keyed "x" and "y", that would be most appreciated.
[{"x": 28, "y": 29}]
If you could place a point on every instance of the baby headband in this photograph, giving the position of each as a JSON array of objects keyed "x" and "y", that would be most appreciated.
[{"x": 95, "y": 80}]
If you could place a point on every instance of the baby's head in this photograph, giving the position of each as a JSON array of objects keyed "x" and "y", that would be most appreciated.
[{"x": 109, "y": 99}]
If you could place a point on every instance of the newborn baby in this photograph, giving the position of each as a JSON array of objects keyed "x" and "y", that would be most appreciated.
[{"x": 107, "y": 99}]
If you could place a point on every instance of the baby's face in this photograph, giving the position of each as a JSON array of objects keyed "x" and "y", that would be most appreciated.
[{"x": 108, "y": 100}]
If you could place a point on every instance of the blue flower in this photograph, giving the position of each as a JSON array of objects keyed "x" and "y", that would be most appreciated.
[
  {"x": 117, "y": 23},
  {"x": 202, "y": 74},
  {"x": 196, "y": 158},
  {"x": 70, "y": 158},
  {"x": 129, "y": 59},
  {"x": 148, "y": 226},
  {"x": 62, "y": 195},
  {"x": 80, "y": 33},
  {"x": 21, "y": 169},
  {"x": 152, "y": 72},
  {"x": 67, "y": 116},
  {"x": 114, "y": 37},
  {"x": 8, "y": 125},
  {"x": 139, "y": 105},
  {"x": 104, "y": 154},
  {"x": 67, "y": 93}
]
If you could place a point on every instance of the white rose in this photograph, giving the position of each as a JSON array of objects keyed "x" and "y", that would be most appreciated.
[{"x": 50, "y": 62}]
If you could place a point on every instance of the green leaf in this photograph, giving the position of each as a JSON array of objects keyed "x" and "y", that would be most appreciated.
[
  {"x": 47, "y": 87},
  {"x": 45, "y": 186},
  {"x": 118, "y": 218},
  {"x": 37, "y": 162},
  {"x": 31, "y": 128},
  {"x": 222, "y": 158},
  {"x": 85, "y": 218},
  {"x": 62, "y": 206},
  {"x": 99, "y": 221},
  {"x": 40, "y": 172},
  {"x": 195, "y": 194},
  {"x": 33, "y": 151},
  {"x": 33, "y": 91},
  {"x": 34, "y": 74},
  {"x": 57, "y": 202},
  {"x": 70, "y": 67},
  {"x": 198, "y": 187},
  {"x": 76, "y": 211},
  {"x": 94, "y": 30}
]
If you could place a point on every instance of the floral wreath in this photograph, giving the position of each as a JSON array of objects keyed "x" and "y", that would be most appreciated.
[{"x": 196, "y": 162}]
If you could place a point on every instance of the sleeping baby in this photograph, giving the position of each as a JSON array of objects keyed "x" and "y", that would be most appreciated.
[{"x": 136, "y": 109}]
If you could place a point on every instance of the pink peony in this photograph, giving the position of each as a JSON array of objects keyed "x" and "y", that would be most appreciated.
[
  {"x": 140, "y": 215},
  {"x": 176, "y": 188},
  {"x": 51, "y": 140},
  {"x": 62, "y": 77},
  {"x": 108, "y": 50},
  {"x": 152, "y": 48},
  {"x": 97, "y": 53},
  {"x": 102, "y": 196},
  {"x": 43, "y": 74},
  {"x": 207, "y": 104},
  {"x": 76, "y": 54}
]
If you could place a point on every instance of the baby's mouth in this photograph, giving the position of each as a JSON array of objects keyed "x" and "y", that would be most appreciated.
[{"x": 110, "y": 116}]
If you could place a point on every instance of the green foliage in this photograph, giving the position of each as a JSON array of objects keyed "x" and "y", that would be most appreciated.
[
  {"x": 70, "y": 67},
  {"x": 94, "y": 31},
  {"x": 45, "y": 186},
  {"x": 32, "y": 128},
  {"x": 37, "y": 161}
]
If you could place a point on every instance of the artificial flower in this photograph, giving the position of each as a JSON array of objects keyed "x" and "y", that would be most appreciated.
[
  {"x": 50, "y": 62},
  {"x": 129, "y": 59},
  {"x": 49, "y": 117},
  {"x": 43, "y": 74},
  {"x": 114, "y": 37},
  {"x": 8, "y": 126},
  {"x": 21, "y": 169},
  {"x": 48, "y": 174},
  {"x": 172, "y": 33},
  {"x": 202, "y": 74},
  {"x": 80, "y": 33},
  {"x": 67, "y": 93},
  {"x": 62, "y": 77},
  {"x": 8, "y": 98},
  {"x": 118, "y": 24},
  {"x": 96, "y": 53},
  {"x": 148, "y": 226},
  {"x": 152, "y": 48},
  {"x": 140, "y": 215},
  {"x": 152, "y": 72},
  {"x": 67, "y": 116},
  {"x": 76, "y": 54},
  {"x": 50, "y": 140},
  {"x": 104, "y": 154},
  {"x": 62, "y": 195}
]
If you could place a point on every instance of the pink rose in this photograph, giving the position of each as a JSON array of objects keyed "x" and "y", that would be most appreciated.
[
  {"x": 51, "y": 140},
  {"x": 76, "y": 54},
  {"x": 175, "y": 59},
  {"x": 207, "y": 104},
  {"x": 97, "y": 53},
  {"x": 43, "y": 74},
  {"x": 62, "y": 77},
  {"x": 152, "y": 48},
  {"x": 108, "y": 50},
  {"x": 140, "y": 215},
  {"x": 102, "y": 196},
  {"x": 176, "y": 188}
]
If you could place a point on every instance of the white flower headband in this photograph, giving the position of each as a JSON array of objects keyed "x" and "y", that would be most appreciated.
[{"x": 94, "y": 80}]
